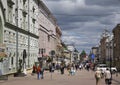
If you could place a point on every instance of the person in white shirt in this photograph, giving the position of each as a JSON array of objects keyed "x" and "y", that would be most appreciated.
[
  {"x": 97, "y": 76},
  {"x": 107, "y": 77}
]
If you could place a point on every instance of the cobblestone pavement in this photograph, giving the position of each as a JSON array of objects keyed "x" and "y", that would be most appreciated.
[{"x": 80, "y": 78}]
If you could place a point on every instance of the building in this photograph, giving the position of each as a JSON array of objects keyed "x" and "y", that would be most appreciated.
[
  {"x": 104, "y": 46},
  {"x": 28, "y": 32},
  {"x": 95, "y": 52},
  {"x": 18, "y": 35},
  {"x": 116, "y": 46},
  {"x": 49, "y": 34},
  {"x": 59, "y": 47}
]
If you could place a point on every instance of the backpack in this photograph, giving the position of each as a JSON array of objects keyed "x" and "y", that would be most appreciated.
[{"x": 98, "y": 75}]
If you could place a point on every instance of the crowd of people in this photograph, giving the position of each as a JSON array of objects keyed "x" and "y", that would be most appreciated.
[{"x": 72, "y": 68}]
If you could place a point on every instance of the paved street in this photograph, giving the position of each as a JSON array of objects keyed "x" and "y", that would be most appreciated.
[{"x": 80, "y": 78}]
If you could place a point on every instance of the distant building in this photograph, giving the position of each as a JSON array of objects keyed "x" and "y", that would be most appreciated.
[
  {"x": 102, "y": 45},
  {"x": 116, "y": 46},
  {"x": 95, "y": 52}
]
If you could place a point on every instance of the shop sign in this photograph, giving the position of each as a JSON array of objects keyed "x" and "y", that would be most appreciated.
[{"x": 2, "y": 50}]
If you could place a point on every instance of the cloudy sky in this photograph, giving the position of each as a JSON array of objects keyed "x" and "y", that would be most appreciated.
[{"x": 83, "y": 21}]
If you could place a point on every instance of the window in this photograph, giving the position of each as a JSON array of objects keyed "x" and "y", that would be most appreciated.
[
  {"x": 10, "y": 4},
  {"x": 48, "y": 38},
  {"x": 12, "y": 60}
]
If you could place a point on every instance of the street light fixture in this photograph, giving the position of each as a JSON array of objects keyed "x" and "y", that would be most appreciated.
[{"x": 110, "y": 46}]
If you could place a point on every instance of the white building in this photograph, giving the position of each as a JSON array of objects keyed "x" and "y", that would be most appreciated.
[
  {"x": 28, "y": 28},
  {"x": 19, "y": 31}
]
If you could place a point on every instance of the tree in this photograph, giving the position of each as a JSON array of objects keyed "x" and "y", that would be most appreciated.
[{"x": 83, "y": 54}]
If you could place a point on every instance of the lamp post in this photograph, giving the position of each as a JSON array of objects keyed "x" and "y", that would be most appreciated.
[
  {"x": 110, "y": 48},
  {"x": 110, "y": 52}
]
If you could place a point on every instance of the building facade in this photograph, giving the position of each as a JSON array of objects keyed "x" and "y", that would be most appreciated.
[
  {"x": 116, "y": 46},
  {"x": 47, "y": 33},
  {"x": 102, "y": 58},
  {"x": 18, "y": 34},
  {"x": 95, "y": 53},
  {"x": 28, "y": 31}
]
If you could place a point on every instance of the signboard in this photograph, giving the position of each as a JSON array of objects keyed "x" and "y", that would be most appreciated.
[
  {"x": 2, "y": 50},
  {"x": 71, "y": 48}
]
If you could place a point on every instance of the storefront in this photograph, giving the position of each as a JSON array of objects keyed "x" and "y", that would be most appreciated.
[{"x": 3, "y": 60}]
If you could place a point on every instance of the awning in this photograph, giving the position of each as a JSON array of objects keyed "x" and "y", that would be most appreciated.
[{"x": 3, "y": 54}]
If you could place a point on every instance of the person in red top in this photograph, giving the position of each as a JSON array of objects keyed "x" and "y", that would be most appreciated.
[
  {"x": 38, "y": 72},
  {"x": 34, "y": 69}
]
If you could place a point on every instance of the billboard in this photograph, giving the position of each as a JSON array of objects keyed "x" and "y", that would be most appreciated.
[{"x": 71, "y": 48}]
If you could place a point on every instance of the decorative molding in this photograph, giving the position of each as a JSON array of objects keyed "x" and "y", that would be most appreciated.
[
  {"x": 10, "y": 3},
  {"x": 13, "y": 27}
]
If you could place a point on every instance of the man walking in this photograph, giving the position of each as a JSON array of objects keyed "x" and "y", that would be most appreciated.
[{"x": 107, "y": 77}]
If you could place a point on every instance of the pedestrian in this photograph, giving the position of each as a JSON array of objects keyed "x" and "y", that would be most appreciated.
[
  {"x": 97, "y": 76},
  {"x": 80, "y": 66},
  {"x": 38, "y": 72},
  {"x": 42, "y": 72},
  {"x": 34, "y": 70},
  {"x": 69, "y": 69},
  {"x": 107, "y": 77},
  {"x": 62, "y": 68}
]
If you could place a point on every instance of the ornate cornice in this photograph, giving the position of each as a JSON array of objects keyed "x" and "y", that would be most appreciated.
[{"x": 13, "y": 27}]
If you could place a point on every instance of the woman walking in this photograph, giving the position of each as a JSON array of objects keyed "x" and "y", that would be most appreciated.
[
  {"x": 38, "y": 72},
  {"x": 97, "y": 76}
]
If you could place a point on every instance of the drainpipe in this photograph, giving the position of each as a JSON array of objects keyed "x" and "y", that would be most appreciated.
[
  {"x": 28, "y": 34},
  {"x": 16, "y": 11}
]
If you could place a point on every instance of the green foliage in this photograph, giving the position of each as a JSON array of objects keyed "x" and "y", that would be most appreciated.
[
  {"x": 83, "y": 53},
  {"x": 1, "y": 59}
]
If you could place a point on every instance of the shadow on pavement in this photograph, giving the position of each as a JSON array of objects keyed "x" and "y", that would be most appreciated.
[{"x": 116, "y": 81}]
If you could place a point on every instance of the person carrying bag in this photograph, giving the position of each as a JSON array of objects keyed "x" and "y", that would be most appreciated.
[
  {"x": 108, "y": 79},
  {"x": 97, "y": 76}
]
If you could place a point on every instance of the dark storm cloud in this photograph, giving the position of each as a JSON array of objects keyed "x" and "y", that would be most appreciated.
[{"x": 83, "y": 21}]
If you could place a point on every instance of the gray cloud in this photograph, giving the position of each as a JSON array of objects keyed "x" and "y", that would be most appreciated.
[
  {"x": 83, "y": 21},
  {"x": 103, "y": 2}
]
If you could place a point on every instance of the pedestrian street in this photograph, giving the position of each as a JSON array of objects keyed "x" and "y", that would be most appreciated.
[{"x": 82, "y": 77}]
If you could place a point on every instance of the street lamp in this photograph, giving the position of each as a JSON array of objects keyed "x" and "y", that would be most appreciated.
[
  {"x": 110, "y": 48},
  {"x": 110, "y": 52}
]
